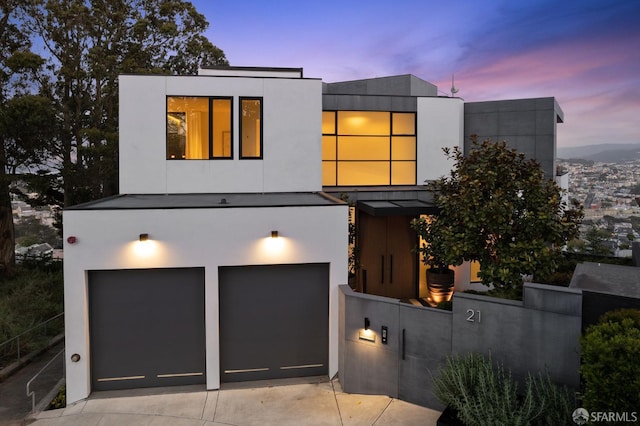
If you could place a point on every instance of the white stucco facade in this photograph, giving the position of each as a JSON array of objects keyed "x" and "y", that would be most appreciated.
[
  {"x": 99, "y": 238},
  {"x": 440, "y": 124},
  {"x": 291, "y": 136},
  {"x": 209, "y": 238}
]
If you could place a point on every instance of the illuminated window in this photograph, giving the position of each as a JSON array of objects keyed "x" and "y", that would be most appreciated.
[
  {"x": 221, "y": 128},
  {"x": 187, "y": 128},
  {"x": 198, "y": 128},
  {"x": 475, "y": 270},
  {"x": 368, "y": 148},
  {"x": 250, "y": 128}
]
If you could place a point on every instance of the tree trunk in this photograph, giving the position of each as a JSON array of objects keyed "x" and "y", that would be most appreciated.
[{"x": 7, "y": 236}]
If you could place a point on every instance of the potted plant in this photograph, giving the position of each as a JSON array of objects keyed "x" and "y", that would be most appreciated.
[{"x": 438, "y": 255}]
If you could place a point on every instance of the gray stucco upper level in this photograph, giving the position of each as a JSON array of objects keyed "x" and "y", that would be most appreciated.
[
  {"x": 397, "y": 85},
  {"x": 528, "y": 125}
]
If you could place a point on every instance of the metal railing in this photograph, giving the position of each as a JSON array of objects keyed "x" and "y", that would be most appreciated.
[
  {"x": 15, "y": 343},
  {"x": 32, "y": 393}
]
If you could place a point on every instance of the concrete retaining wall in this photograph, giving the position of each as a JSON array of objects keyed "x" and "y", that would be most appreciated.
[{"x": 538, "y": 334}]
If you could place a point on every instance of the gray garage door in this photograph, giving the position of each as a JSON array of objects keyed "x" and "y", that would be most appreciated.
[
  {"x": 274, "y": 321},
  {"x": 146, "y": 327}
]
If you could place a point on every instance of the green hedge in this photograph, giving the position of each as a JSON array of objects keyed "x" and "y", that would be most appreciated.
[
  {"x": 611, "y": 362},
  {"x": 34, "y": 294}
]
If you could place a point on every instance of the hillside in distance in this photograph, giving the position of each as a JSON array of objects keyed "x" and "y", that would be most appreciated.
[{"x": 604, "y": 153}]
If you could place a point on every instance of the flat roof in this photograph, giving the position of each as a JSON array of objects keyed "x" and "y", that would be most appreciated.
[{"x": 209, "y": 201}]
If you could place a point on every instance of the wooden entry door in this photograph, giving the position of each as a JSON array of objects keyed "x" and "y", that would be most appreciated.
[{"x": 387, "y": 262}]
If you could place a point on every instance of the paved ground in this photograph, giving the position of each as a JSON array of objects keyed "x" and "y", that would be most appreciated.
[
  {"x": 306, "y": 401},
  {"x": 14, "y": 403}
]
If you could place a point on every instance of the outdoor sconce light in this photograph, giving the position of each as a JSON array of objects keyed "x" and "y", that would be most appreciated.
[
  {"x": 367, "y": 334},
  {"x": 143, "y": 237},
  {"x": 75, "y": 357},
  {"x": 72, "y": 239},
  {"x": 274, "y": 234}
]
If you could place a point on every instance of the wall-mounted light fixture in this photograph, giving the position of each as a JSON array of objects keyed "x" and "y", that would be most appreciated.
[
  {"x": 75, "y": 357},
  {"x": 72, "y": 239},
  {"x": 274, "y": 234},
  {"x": 144, "y": 237},
  {"x": 367, "y": 334}
]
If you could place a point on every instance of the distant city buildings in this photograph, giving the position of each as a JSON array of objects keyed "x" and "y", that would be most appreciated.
[{"x": 610, "y": 194}]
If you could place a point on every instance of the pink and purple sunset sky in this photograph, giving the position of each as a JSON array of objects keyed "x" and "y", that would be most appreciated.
[{"x": 586, "y": 53}]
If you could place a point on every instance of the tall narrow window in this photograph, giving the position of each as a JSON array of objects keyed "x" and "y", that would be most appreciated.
[
  {"x": 187, "y": 128},
  {"x": 250, "y": 128},
  {"x": 221, "y": 126}
]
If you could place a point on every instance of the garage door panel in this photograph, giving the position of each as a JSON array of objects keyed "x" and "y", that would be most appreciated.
[
  {"x": 147, "y": 327},
  {"x": 273, "y": 321}
]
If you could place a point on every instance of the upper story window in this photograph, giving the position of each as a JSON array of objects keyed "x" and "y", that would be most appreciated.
[
  {"x": 250, "y": 127},
  {"x": 199, "y": 128},
  {"x": 368, "y": 148}
]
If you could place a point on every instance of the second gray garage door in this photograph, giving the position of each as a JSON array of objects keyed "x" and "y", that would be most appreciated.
[{"x": 274, "y": 321}]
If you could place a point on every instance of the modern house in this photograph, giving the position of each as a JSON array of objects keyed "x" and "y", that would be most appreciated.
[{"x": 221, "y": 259}]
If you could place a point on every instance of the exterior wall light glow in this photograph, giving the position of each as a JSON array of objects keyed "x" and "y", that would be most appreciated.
[
  {"x": 144, "y": 237},
  {"x": 274, "y": 234},
  {"x": 367, "y": 334}
]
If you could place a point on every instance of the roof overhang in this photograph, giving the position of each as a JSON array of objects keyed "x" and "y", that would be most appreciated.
[{"x": 397, "y": 208}]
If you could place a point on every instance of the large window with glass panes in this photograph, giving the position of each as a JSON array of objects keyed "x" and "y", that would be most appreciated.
[
  {"x": 199, "y": 128},
  {"x": 368, "y": 148}
]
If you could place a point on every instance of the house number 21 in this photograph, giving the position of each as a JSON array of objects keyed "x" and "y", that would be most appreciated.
[{"x": 473, "y": 316}]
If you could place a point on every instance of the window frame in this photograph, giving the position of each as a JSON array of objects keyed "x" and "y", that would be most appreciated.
[
  {"x": 231, "y": 151},
  {"x": 337, "y": 134},
  {"x": 210, "y": 100},
  {"x": 240, "y": 100}
]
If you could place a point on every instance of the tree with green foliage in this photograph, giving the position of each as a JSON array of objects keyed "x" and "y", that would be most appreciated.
[
  {"x": 88, "y": 44},
  {"x": 595, "y": 238},
  {"x": 497, "y": 208},
  {"x": 611, "y": 362},
  {"x": 27, "y": 118}
]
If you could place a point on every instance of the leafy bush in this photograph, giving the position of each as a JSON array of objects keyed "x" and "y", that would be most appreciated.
[
  {"x": 611, "y": 362},
  {"x": 484, "y": 395},
  {"x": 60, "y": 400}
]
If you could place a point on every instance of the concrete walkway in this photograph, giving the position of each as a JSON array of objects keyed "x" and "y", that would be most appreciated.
[{"x": 306, "y": 401}]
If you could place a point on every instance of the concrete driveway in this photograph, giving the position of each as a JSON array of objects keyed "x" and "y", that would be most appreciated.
[{"x": 306, "y": 401}]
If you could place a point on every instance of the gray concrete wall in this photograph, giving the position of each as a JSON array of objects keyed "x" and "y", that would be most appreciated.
[
  {"x": 529, "y": 125},
  {"x": 538, "y": 334}
]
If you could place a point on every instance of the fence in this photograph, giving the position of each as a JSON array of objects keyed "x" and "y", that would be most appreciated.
[{"x": 402, "y": 346}]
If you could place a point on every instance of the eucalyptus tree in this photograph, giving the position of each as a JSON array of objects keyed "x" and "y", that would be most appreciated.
[
  {"x": 88, "y": 44},
  {"x": 27, "y": 118}
]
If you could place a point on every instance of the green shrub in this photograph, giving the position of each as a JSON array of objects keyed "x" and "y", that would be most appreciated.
[
  {"x": 483, "y": 395},
  {"x": 611, "y": 362},
  {"x": 33, "y": 295},
  {"x": 60, "y": 400}
]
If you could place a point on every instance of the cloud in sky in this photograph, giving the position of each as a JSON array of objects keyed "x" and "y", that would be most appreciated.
[{"x": 584, "y": 52}]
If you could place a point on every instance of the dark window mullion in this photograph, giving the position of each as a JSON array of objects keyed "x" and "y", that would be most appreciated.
[{"x": 210, "y": 120}]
